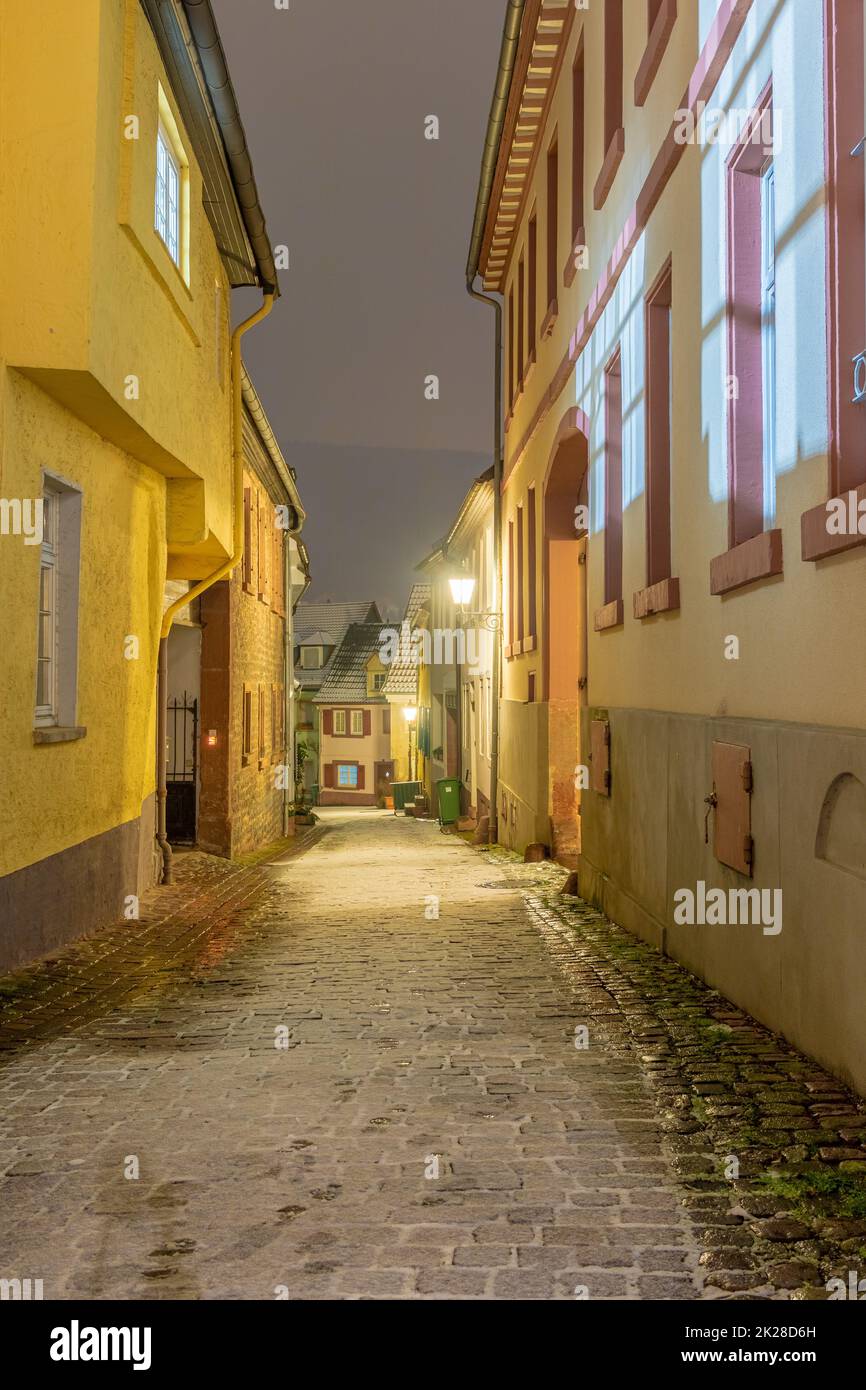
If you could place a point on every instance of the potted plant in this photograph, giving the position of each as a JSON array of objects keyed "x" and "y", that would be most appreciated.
[{"x": 303, "y": 802}]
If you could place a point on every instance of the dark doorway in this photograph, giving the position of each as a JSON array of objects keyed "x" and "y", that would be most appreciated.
[
  {"x": 383, "y": 776},
  {"x": 182, "y": 779}
]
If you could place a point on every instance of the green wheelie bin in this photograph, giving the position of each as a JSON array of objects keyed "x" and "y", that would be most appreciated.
[{"x": 448, "y": 796}]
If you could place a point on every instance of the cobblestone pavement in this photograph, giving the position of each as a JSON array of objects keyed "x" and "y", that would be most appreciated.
[{"x": 288, "y": 1056}]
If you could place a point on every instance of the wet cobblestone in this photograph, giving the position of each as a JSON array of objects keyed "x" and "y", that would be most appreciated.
[
  {"x": 299, "y": 1081},
  {"x": 725, "y": 1088}
]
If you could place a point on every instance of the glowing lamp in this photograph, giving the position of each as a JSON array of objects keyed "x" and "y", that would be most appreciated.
[{"x": 462, "y": 589}]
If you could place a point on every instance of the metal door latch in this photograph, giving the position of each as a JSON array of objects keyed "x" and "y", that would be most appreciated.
[{"x": 711, "y": 802}]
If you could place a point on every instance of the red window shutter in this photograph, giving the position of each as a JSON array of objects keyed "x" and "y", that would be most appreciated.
[
  {"x": 368, "y": 722},
  {"x": 329, "y": 774},
  {"x": 260, "y": 527},
  {"x": 327, "y": 721},
  {"x": 386, "y": 720},
  {"x": 248, "y": 539},
  {"x": 360, "y": 777},
  {"x": 732, "y": 785}
]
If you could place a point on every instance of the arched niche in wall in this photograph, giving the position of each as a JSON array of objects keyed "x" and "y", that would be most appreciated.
[{"x": 841, "y": 838}]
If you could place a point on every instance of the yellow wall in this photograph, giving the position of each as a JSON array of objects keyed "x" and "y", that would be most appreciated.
[
  {"x": 90, "y": 293},
  {"x": 400, "y": 738},
  {"x": 88, "y": 297},
  {"x": 65, "y": 793}
]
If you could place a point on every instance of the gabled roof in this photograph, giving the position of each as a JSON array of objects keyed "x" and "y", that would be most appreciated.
[
  {"x": 333, "y": 617},
  {"x": 403, "y": 677},
  {"x": 534, "y": 44},
  {"x": 325, "y": 625},
  {"x": 346, "y": 680}
]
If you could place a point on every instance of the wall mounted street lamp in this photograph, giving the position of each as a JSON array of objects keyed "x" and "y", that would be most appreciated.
[{"x": 462, "y": 590}]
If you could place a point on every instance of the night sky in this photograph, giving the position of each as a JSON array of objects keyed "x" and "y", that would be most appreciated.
[{"x": 334, "y": 98}]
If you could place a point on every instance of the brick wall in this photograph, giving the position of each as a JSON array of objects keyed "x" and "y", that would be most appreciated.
[{"x": 243, "y": 694}]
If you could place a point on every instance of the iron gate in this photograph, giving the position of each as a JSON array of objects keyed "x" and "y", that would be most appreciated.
[{"x": 182, "y": 773}]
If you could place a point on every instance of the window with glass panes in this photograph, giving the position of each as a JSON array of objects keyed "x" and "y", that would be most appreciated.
[
  {"x": 167, "y": 214},
  {"x": 46, "y": 677}
]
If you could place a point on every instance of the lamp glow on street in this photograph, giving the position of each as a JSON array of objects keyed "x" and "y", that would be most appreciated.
[
  {"x": 462, "y": 589},
  {"x": 410, "y": 713}
]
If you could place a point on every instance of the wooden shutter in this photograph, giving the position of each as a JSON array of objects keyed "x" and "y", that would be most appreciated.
[
  {"x": 600, "y": 743},
  {"x": 386, "y": 720},
  {"x": 732, "y": 785},
  {"x": 368, "y": 722},
  {"x": 248, "y": 539},
  {"x": 327, "y": 721},
  {"x": 263, "y": 553},
  {"x": 276, "y": 551},
  {"x": 360, "y": 778},
  {"x": 329, "y": 774}
]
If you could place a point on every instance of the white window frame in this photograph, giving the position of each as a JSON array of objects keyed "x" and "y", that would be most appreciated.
[
  {"x": 768, "y": 338},
  {"x": 339, "y": 721},
  {"x": 60, "y": 556},
  {"x": 351, "y": 769},
  {"x": 168, "y": 210},
  {"x": 357, "y": 725},
  {"x": 46, "y": 712}
]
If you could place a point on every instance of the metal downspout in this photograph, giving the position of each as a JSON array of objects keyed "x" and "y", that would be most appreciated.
[
  {"x": 493, "y": 140},
  {"x": 222, "y": 572}
]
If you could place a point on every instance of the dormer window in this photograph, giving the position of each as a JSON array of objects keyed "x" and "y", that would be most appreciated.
[{"x": 312, "y": 658}]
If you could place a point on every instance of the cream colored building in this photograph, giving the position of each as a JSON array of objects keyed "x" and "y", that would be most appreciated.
[{"x": 676, "y": 225}]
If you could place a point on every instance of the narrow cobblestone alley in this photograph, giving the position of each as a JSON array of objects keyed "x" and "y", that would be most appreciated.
[
  {"x": 408, "y": 1037},
  {"x": 288, "y": 1078}
]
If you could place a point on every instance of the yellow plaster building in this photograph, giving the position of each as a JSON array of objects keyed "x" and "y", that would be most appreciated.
[{"x": 123, "y": 235}]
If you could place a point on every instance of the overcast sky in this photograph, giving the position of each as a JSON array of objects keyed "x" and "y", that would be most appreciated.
[{"x": 334, "y": 98}]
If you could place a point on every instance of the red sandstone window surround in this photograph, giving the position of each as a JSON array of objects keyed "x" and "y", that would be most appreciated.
[
  {"x": 531, "y": 543},
  {"x": 521, "y": 324},
  {"x": 262, "y": 731},
  {"x": 846, "y": 276},
  {"x": 614, "y": 134},
  {"x": 754, "y": 552},
  {"x": 248, "y": 541},
  {"x": 661, "y": 18},
  {"x": 520, "y": 611},
  {"x": 552, "y": 237},
  {"x": 247, "y": 733},
  {"x": 611, "y": 615},
  {"x": 509, "y": 650},
  {"x": 511, "y": 348},
  {"x": 578, "y": 161},
  {"x": 532, "y": 289},
  {"x": 662, "y": 591}
]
